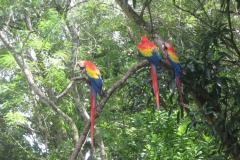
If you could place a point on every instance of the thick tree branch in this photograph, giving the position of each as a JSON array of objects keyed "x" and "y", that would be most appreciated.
[
  {"x": 101, "y": 144},
  {"x": 139, "y": 21},
  {"x": 127, "y": 9},
  {"x": 27, "y": 19}
]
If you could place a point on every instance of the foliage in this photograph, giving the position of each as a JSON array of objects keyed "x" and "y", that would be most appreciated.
[{"x": 44, "y": 37}]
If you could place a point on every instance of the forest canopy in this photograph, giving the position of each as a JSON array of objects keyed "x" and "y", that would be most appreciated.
[{"x": 45, "y": 99}]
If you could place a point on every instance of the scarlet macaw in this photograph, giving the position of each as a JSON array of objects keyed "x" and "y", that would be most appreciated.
[
  {"x": 95, "y": 80},
  {"x": 172, "y": 58},
  {"x": 148, "y": 50}
]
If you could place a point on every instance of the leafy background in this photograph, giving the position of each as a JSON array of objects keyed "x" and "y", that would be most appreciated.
[{"x": 41, "y": 41}]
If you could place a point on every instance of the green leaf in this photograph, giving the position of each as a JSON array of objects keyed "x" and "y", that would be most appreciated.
[
  {"x": 238, "y": 3},
  {"x": 178, "y": 117},
  {"x": 15, "y": 118},
  {"x": 207, "y": 138},
  {"x": 208, "y": 73},
  {"x": 7, "y": 61}
]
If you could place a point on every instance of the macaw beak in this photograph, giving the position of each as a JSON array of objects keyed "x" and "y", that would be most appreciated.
[
  {"x": 82, "y": 71},
  {"x": 78, "y": 65}
]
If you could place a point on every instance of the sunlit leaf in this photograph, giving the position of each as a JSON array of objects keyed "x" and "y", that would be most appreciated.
[
  {"x": 15, "y": 118},
  {"x": 7, "y": 61}
]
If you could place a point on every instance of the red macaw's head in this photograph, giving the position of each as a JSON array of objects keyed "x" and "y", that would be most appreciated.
[
  {"x": 144, "y": 39},
  {"x": 81, "y": 65},
  {"x": 167, "y": 46}
]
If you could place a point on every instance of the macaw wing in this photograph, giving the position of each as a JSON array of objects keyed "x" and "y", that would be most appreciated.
[
  {"x": 176, "y": 66},
  {"x": 156, "y": 54},
  {"x": 96, "y": 84},
  {"x": 140, "y": 54},
  {"x": 155, "y": 58}
]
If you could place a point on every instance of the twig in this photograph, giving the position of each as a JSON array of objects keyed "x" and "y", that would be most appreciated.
[
  {"x": 201, "y": 4},
  {"x": 143, "y": 8},
  {"x": 29, "y": 129},
  {"x": 70, "y": 85},
  {"x": 150, "y": 15},
  {"x": 230, "y": 27},
  {"x": 193, "y": 14},
  {"x": 23, "y": 148},
  {"x": 83, "y": 1}
]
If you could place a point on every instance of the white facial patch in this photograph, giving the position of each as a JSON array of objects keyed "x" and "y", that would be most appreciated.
[
  {"x": 81, "y": 64},
  {"x": 163, "y": 45}
]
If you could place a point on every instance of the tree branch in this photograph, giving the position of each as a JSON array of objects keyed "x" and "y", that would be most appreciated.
[
  {"x": 143, "y": 8},
  {"x": 75, "y": 44},
  {"x": 193, "y": 14},
  {"x": 27, "y": 19},
  {"x": 127, "y": 9},
  {"x": 101, "y": 144},
  {"x": 70, "y": 85},
  {"x": 139, "y": 21},
  {"x": 100, "y": 106},
  {"x": 29, "y": 129},
  {"x": 28, "y": 153}
]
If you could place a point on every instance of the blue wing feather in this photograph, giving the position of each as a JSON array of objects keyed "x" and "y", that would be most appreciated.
[
  {"x": 154, "y": 59},
  {"x": 96, "y": 84},
  {"x": 176, "y": 66}
]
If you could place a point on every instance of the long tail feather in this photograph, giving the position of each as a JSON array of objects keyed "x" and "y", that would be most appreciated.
[
  {"x": 155, "y": 85},
  {"x": 93, "y": 112},
  {"x": 178, "y": 82}
]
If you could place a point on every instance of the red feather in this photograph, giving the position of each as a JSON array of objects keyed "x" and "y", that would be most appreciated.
[
  {"x": 155, "y": 84},
  {"x": 93, "y": 112},
  {"x": 178, "y": 82}
]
